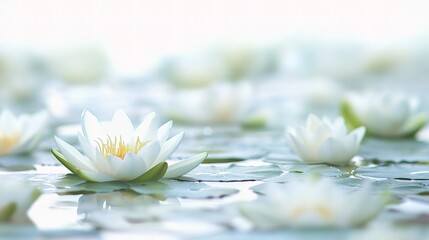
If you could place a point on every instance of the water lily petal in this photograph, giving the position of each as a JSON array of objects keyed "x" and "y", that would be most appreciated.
[
  {"x": 360, "y": 133},
  {"x": 64, "y": 162},
  {"x": 114, "y": 164},
  {"x": 149, "y": 152},
  {"x": 73, "y": 156},
  {"x": 148, "y": 129},
  {"x": 184, "y": 166},
  {"x": 290, "y": 142},
  {"x": 164, "y": 132},
  {"x": 100, "y": 163},
  {"x": 332, "y": 151},
  {"x": 132, "y": 167},
  {"x": 94, "y": 176},
  {"x": 304, "y": 136},
  {"x": 8, "y": 120},
  {"x": 92, "y": 128},
  {"x": 299, "y": 145},
  {"x": 28, "y": 138},
  {"x": 122, "y": 125},
  {"x": 87, "y": 148},
  {"x": 313, "y": 122},
  {"x": 339, "y": 128},
  {"x": 168, "y": 148}
]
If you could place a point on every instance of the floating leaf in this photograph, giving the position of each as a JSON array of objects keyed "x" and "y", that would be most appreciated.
[
  {"x": 232, "y": 173},
  {"x": 171, "y": 188},
  {"x": 396, "y": 171},
  {"x": 401, "y": 150},
  {"x": 292, "y": 234},
  {"x": 93, "y": 187},
  {"x": 227, "y": 154},
  {"x": 320, "y": 169}
]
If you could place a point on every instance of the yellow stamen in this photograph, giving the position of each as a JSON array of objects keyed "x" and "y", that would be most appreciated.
[
  {"x": 297, "y": 212},
  {"x": 8, "y": 142},
  {"x": 118, "y": 147},
  {"x": 324, "y": 211},
  {"x": 321, "y": 209}
]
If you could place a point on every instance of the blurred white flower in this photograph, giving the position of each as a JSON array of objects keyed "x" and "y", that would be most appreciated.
[
  {"x": 322, "y": 93},
  {"x": 20, "y": 75},
  {"x": 324, "y": 141},
  {"x": 220, "y": 102},
  {"x": 193, "y": 71},
  {"x": 384, "y": 114},
  {"x": 15, "y": 199},
  {"x": 312, "y": 203},
  {"x": 82, "y": 64},
  {"x": 21, "y": 134},
  {"x": 115, "y": 151},
  {"x": 244, "y": 61}
]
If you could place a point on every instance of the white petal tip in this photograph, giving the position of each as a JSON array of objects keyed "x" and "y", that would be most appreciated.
[{"x": 183, "y": 167}]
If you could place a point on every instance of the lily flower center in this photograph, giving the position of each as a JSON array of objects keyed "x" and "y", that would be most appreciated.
[
  {"x": 8, "y": 142},
  {"x": 322, "y": 210},
  {"x": 118, "y": 147}
]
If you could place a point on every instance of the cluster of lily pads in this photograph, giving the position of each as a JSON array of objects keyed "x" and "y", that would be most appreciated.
[{"x": 131, "y": 157}]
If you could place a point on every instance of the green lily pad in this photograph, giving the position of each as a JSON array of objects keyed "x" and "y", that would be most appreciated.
[
  {"x": 283, "y": 158},
  {"x": 396, "y": 171},
  {"x": 292, "y": 234},
  {"x": 319, "y": 169},
  {"x": 19, "y": 231},
  {"x": 162, "y": 188},
  {"x": 171, "y": 188},
  {"x": 232, "y": 173},
  {"x": 93, "y": 187},
  {"x": 398, "y": 188},
  {"x": 228, "y": 154},
  {"x": 391, "y": 150},
  {"x": 402, "y": 188}
]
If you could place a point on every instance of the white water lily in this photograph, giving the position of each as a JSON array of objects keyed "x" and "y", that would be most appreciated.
[
  {"x": 385, "y": 114},
  {"x": 20, "y": 79},
  {"x": 218, "y": 103},
  {"x": 81, "y": 64},
  {"x": 193, "y": 71},
  {"x": 15, "y": 199},
  {"x": 20, "y": 134},
  {"x": 116, "y": 151},
  {"x": 324, "y": 141},
  {"x": 312, "y": 203}
]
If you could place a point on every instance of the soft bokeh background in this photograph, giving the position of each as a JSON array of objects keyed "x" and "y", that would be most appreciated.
[
  {"x": 208, "y": 62},
  {"x": 231, "y": 74}
]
